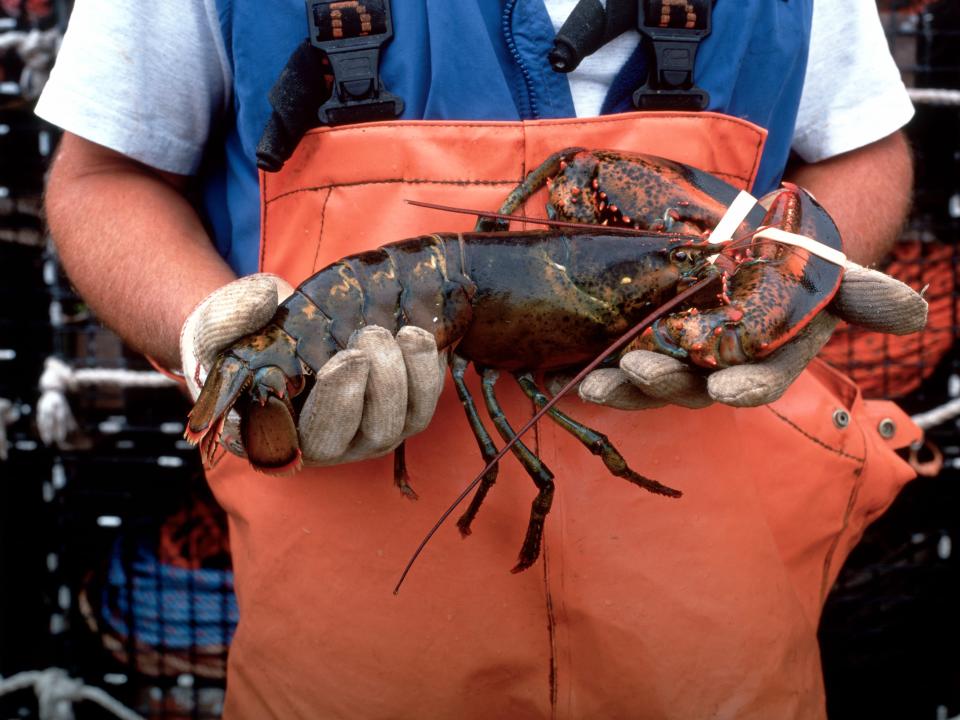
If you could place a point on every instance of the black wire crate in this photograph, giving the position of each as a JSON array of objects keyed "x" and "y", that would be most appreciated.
[
  {"x": 889, "y": 625},
  {"x": 152, "y": 609},
  {"x": 123, "y": 555},
  {"x": 143, "y": 548}
]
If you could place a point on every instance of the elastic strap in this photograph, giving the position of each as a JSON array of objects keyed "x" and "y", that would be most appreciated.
[{"x": 737, "y": 213}]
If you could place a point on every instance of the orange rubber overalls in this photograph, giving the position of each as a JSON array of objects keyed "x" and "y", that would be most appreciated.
[{"x": 640, "y": 606}]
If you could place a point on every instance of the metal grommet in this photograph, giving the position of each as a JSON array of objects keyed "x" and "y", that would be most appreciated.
[
  {"x": 841, "y": 418},
  {"x": 887, "y": 428}
]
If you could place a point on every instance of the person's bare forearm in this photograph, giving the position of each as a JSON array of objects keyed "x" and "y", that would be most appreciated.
[
  {"x": 866, "y": 191},
  {"x": 131, "y": 244}
]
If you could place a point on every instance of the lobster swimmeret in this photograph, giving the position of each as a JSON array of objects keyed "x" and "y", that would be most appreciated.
[{"x": 537, "y": 300}]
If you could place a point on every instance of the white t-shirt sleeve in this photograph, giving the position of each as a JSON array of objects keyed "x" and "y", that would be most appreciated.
[
  {"x": 853, "y": 94},
  {"x": 146, "y": 79},
  {"x": 158, "y": 105}
]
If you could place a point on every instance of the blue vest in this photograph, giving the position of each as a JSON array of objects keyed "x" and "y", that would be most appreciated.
[{"x": 486, "y": 60}]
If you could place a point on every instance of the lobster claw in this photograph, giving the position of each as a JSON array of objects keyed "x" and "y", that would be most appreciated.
[{"x": 773, "y": 292}]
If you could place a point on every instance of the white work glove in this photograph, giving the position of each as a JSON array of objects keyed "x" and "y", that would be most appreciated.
[
  {"x": 646, "y": 379},
  {"x": 366, "y": 399}
]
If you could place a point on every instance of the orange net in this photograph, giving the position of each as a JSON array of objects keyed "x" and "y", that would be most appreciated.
[{"x": 890, "y": 366}]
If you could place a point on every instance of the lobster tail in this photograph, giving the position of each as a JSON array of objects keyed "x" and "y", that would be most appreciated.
[
  {"x": 268, "y": 426},
  {"x": 228, "y": 378}
]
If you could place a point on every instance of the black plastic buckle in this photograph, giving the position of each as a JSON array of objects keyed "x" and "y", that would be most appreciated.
[
  {"x": 673, "y": 38},
  {"x": 351, "y": 33}
]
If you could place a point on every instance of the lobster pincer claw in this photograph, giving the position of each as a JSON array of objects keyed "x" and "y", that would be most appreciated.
[
  {"x": 788, "y": 288},
  {"x": 228, "y": 380},
  {"x": 867, "y": 297}
]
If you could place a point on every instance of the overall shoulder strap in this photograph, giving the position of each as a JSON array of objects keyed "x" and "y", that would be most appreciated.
[
  {"x": 332, "y": 78},
  {"x": 672, "y": 30}
]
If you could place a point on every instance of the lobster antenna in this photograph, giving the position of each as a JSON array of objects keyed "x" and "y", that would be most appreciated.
[
  {"x": 616, "y": 345},
  {"x": 740, "y": 241},
  {"x": 612, "y": 229}
]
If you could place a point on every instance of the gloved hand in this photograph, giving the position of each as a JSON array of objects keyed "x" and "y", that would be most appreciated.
[
  {"x": 644, "y": 380},
  {"x": 366, "y": 399}
]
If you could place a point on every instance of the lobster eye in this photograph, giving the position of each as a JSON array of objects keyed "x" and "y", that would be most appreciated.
[{"x": 680, "y": 255}]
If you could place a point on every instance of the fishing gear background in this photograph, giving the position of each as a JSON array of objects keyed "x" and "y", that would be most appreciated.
[{"x": 114, "y": 557}]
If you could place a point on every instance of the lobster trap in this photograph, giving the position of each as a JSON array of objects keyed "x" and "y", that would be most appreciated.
[
  {"x": 889, "y": 629},
  {"x": 115, "y": 556},
  {"x": 108, "y": 525}
]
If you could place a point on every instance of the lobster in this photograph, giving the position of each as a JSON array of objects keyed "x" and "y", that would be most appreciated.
[{"x": 527, "y": 301}]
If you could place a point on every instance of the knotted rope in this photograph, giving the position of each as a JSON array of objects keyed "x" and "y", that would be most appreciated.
[
  {"x": 37, "y": 49},
  {"x": 55, "y": 420},
  {"x": 57, "y": 692},
  {"x": 9, "y": 414}
]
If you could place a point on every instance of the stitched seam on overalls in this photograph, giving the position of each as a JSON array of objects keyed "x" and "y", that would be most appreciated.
[
  {"x": 323, "y": 216},
  {"x": 263, "y": 221},
  {"x": 426, "y": 181},
  {"x": 553, "y": 669},
  {"x": 814, "y": 438},
  {"x": 551, "y": 632},
  {"x": 835, "y": 543},
  {"x": 757, "y": 157},
  {"x": 603, "y": 119}
]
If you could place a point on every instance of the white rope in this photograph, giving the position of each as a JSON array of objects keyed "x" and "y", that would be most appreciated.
[
  {"x": 37, "y": 49},
  {"x": 59, "y": 375},
  {"x": 934, "y": 96},
  {"x": 939, "y": 415},
  {"x": 55, "y": 420},
  {"x": 57, "y": 692},
  {"x": 9, "y": 414}
]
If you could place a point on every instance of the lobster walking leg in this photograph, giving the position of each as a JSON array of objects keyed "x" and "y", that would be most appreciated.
[
  {"x": 541, "y": 475},
  {"x": 597, "y": 443},
  {"x": 401, "y": 478},
  {"x": 487, "y": 448},
  {"x": 535, "y": 180}
]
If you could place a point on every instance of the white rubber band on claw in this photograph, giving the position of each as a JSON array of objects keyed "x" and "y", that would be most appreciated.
[
  {"x": 737, "y": 212},
  {"x": 814, "y": 247},
  {"x": 741, "y": 206}
]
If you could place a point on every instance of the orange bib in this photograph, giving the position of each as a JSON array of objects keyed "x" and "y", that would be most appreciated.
[{"x": 640, "y": 606}]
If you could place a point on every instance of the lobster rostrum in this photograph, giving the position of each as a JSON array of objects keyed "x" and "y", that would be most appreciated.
[{"x": 525, "y": 302}]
